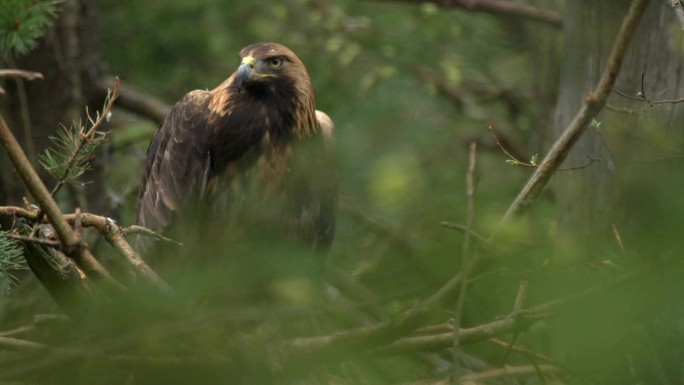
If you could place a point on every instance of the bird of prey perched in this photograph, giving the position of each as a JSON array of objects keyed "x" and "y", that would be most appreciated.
[{"x": 253, "y": 151}]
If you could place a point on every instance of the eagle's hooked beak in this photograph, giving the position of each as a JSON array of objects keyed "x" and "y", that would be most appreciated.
[{"x": 245, "y": 71}]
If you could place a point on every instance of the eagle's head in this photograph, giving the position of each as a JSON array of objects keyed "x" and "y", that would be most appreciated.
[{"x": 270, "y": 77}]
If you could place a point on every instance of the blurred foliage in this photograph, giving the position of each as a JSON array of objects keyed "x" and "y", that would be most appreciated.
[{"x": 408, "y": 86}]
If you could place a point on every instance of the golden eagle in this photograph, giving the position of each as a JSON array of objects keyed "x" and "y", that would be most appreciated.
[{"x": 252, "y": 151}]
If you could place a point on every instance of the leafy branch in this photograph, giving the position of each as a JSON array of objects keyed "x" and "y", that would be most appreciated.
[
  {"x": 75, "y": 146},
  {"x": 534, "y": 159}
]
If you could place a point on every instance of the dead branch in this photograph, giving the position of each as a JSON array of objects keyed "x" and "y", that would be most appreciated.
[
  {"x": 42, "y": 241},
  {"x": 512, "y": 159},
  {"x": 464, "y": 229},
  {"x": 524, "y": 351},
  {"x": 27, "y": 75},
  {"x": 595, "y": 101},
  {"x": 112, "y": 233},
  {"x": 115, "y": 237}
]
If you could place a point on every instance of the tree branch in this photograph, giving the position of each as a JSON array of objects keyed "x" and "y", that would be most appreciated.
[
  {"x": 72, "y": 245},
  {"x": 510, "y": 371},
  {"x": 112, "y": 233},
  {"x": 593, "y": 105},
  {"x": 28, "y": 75}
]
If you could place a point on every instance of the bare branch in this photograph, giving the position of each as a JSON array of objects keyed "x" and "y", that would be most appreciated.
[
  {"x": 593, "y": 105},
  {"x": 512, "y": 159},
  {"x": 466, "y": 251},
  {"x": 111, "y": 232},
  {"x": 463, "y": 229},
  {"x": 134, "y": 229},
  {"x": 521, "y": 350},
  {"x": 27, "y": 75},
  {"x": 618, "y": 238},
  {"x": 42, "y": 241}
]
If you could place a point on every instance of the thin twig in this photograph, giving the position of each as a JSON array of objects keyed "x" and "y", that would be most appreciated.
[
  {"x": 23, "y": 74},
  {"x": 521, "y": 296},
  {"x": 114, "y": 235},
  {"x": 510, "y": 371},
  {"x": 465, "y": 255},
  {"x": 464, "y": 229},
  {"x": 593, "y": 105},
  {"x": 42, "y": 241},
  {"x": 532, "y": 164},
  {"x": 9, "y": 343},
  {"x": 618, "y": 238},
  {"x": 135, "y": 229},
  {"x": 524, "y": 351},
  {"x": 19, "y": 330},
  {"x": 518, "y": 307},
  {"x": 111, "y": 232}
]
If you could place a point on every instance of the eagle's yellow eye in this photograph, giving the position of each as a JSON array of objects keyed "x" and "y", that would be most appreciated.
[{"x": 275, "y": 62}]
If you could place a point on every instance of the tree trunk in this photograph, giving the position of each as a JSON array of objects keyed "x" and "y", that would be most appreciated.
[
  {"x": 590, "y": 199},
  {"x": 69, "y": 58},
  {"x": 623, "y": 335}
]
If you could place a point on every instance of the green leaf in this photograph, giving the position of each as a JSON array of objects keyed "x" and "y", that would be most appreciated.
[
  {"x": 534, "y": 159},
  {"x": 512, "y": 162}
]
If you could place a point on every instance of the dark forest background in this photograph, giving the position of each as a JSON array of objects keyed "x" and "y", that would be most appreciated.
[{"x": 410, "y": 86}]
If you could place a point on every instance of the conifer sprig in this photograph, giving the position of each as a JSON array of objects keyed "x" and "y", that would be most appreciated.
[
  {"x": 11, "y": 258},
  {"x": 75, "y": 146},
  {"x": 22, "y": 23}
]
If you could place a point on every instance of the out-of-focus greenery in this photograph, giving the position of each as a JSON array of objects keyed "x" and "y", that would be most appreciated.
[{"x": 408, "y": 86}]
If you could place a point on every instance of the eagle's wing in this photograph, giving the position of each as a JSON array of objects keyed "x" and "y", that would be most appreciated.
[
  {"x": 177, "y": 162},
  {"x": 317, "y": 185}
]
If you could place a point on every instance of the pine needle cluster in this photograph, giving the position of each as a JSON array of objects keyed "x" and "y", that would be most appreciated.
[
  {"x": 22, "y": 22},
  {"x": 75, "y": 146},
  {"x": 11, "y": 258},
  {"x": 71, "y": 153}
]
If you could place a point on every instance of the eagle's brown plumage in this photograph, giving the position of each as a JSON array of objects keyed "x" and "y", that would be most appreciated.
[{"x": 255, "y": 138}]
